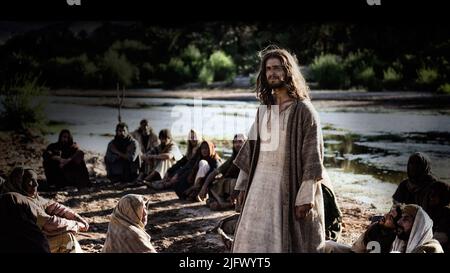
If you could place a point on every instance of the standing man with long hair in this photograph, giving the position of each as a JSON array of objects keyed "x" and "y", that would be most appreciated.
[{"x": 281, "y": 165}]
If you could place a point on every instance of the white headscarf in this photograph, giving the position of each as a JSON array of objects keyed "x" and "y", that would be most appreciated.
[{"x": 421, "y": 233}]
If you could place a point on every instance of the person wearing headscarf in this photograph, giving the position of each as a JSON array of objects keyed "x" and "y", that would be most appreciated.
[
  {"x": 183, "y": 165},
  {"x": 415, "y": 232},
  {"x": 126, "y": 230},
  {"x": 163, "y": 157},
  {"x": 122, "y": 158},
  {"x": 415, "y": 189},
  {"x": 64, "y": 163},
  {"x": 189, "y": 187},
  {"x": 220, "y": 183},
  {"x": 19, "y": 232},
  {"x": 59, "y": 223}
]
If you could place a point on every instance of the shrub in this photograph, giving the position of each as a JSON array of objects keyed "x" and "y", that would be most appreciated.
[
  {"x": 427, "y": 78},
  {"x": 116, "y": 68},
  {"x": 193, "y": 58},
  {"x": 366, "y": 77},
  {"x": 362, "y": 67},
  {"x": 444, "y": 88},
  {"x": 329, "y": 72},
  {"x": 20, "y": 107},
  {"x": 175, "y": 72},
  {"x": 222, "y": 65},
  {"x": 184, "y": 68},
  {"x": 391, "y": 78},
  {"x": 206, "y": 75}
]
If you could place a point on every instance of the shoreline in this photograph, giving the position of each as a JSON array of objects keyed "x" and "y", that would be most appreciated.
[{"x": 249, "y": 95}]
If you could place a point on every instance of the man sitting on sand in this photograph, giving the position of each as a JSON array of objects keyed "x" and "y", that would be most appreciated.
[
  {"x": 221, "y": 182},
  {"x": 59, "y": 223},
  {"x": 184, "y": 165},
  {"x": 147, "y": 140},
  {"x": 163, "y": 157},
  {"x": 21, "y": 234},
  {"x": 122, "y": 156},
  {"x": 415, "y": 232},
  {"x": 64, "y": 163}
]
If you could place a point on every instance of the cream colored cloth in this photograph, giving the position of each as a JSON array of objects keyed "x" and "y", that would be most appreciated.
[
  {"x": 126, "y": 230},
  {"x": 203, "y": 169},
  {"x": 64, "y": 243},
  {"x": 242, "y": 181},
  {"x": 260, "y": 227},
  {"x": 334, "y": 247},
  {"x": 162, "y": 166},
  {"x": 421, "y": 234}
]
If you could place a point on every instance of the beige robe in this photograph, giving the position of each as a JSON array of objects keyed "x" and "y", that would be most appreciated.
[
  {"x": 126, "y": 231},
  {"x": 162, "y": 166},
  {"x": 279, "y": 177}
]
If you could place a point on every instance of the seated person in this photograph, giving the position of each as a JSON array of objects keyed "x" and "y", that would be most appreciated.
[
  {"x": 381, "y": 231},
  {"x": 189, "y": 185},
  {"x": 415, "y": 232},
  {"x": 163, "y": 157},
  {"x": 221, "y": 182},
  {"x": 59, "y": 223},
  {"x": 64, "y": 163},
  {"x": 415, "y": 189},
  {"x": 182, "y": 165},
  {"x": 126, "y": 230},
  {"x": 122, "y": 156},
  {"x": 439, "y": 211},
  {"x": 20, "y": 232},
  {"x": 147, "y": 140}
]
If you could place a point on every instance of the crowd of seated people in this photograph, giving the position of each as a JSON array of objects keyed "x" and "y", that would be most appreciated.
[{"x": 418, "y": 222}]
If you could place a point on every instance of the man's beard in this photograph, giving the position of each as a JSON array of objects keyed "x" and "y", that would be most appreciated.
[
  {"x": 402, "y": 235},
  {"x": 278, "y": 84}
]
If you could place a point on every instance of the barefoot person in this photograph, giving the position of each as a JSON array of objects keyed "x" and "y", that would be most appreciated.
[
  {"x": 189, "y": 186},
  {"x": 220, "y": 183}
]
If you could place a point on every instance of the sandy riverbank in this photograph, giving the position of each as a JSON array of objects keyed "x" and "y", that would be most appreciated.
[{"x": 175, "y": 225}]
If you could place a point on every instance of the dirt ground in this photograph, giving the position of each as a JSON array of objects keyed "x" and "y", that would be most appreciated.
[{"x": 174, "y": 225}]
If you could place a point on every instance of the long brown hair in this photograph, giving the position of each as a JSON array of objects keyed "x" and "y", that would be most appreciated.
[{"x": 295, "y": 82}]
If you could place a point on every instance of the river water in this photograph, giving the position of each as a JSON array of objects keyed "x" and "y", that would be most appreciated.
[{"x": 366, "y": 151}]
